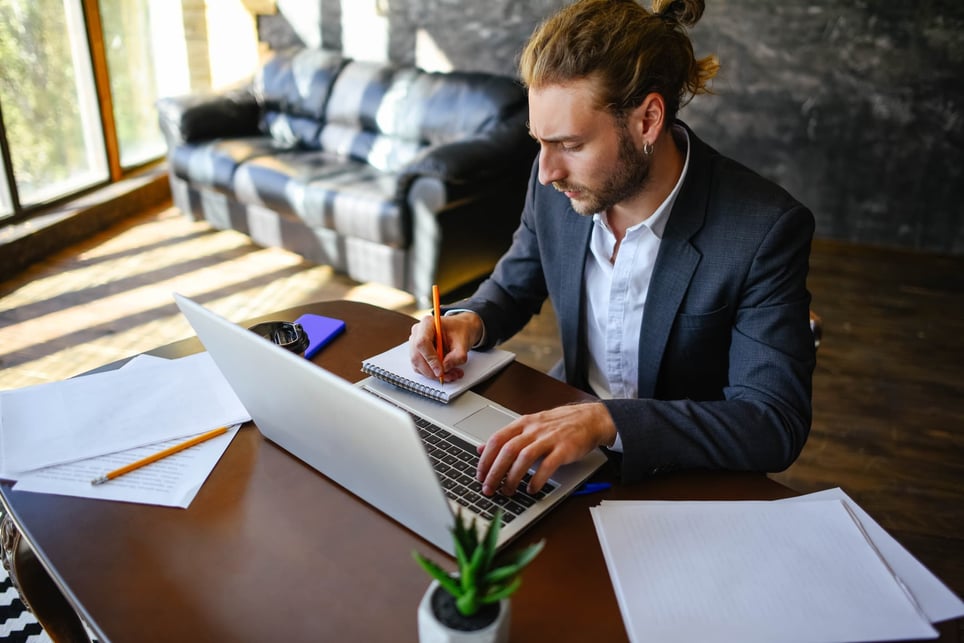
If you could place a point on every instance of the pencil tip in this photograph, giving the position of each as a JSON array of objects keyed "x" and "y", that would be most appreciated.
[{"x": 100, "y": 480}]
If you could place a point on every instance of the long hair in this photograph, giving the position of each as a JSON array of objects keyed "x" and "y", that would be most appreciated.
[{"x": 628, "y": 51}]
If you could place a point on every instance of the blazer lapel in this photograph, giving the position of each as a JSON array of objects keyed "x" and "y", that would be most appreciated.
[
  {"x": 576, "y": 232},
  {"x": 675, "y": 264}
]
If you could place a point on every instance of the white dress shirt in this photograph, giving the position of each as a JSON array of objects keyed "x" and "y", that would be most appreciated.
[{"x": 616, "y": 294}]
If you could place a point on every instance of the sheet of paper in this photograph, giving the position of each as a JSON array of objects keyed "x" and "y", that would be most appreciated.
[
  {"x": 102, "y": 413},
  {"x": 751, "y": 571},
  {"x": 170, "y": 482},
  {"x": 937, "y": 601}
]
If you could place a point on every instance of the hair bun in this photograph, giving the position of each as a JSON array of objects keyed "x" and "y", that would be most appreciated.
[{"x": 685, "y": 12}]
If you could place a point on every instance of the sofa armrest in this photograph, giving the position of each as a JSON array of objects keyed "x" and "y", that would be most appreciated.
[
  {"x": 505, "y": 149},
  {"x": 464, "y": 199},
  {"x": 200, "y": 117}
]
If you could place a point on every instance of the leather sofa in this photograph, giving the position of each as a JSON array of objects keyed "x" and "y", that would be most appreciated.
[{"x": 388, "y": 174}]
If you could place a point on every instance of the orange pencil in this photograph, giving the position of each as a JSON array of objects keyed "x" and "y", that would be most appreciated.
[
  {"x": 160, "y": 454},
  {"x": 439, "y": 347}
]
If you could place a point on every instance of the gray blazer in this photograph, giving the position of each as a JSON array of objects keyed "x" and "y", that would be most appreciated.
[{"x": 726, "y": 354}]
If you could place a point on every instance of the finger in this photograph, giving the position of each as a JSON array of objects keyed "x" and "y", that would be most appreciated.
[
  {"x": 526, "y": 460},
  {"x": 422, "y": 351},
  {"x": 490, "y": 451},
  {"x": 543, "y": 472},
  {"x": 508, "y": 456}
]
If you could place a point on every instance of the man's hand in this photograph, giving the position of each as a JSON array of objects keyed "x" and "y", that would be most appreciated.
[
  {"x": 460, "y": 333},
  {"x": 557, "y": 437}
]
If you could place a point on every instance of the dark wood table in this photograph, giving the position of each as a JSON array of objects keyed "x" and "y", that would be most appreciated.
[{"x": 271, "y": 550}]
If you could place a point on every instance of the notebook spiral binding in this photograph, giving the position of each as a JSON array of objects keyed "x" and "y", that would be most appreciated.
[{"x": 405, "y": 383}]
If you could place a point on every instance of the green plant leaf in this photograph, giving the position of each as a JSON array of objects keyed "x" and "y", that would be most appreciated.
[
  {"x": 474, "y": 570},
  {"x": 501, "y": 574},
  {"x": 439, "y": 574},
  {"x": 468, "y": 603},
  {"x": 515, "y": 564},
  {"x": 461, "y": 557},
  {"x": 465, "y": 534},
  {"x": 505, "y": 592},
  {"x": 491, "y": 539},
  {"x": 471, "y": 538}
]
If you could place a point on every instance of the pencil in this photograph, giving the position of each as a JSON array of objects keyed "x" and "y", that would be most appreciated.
[
  {"x": 439, "y": 347},
  {"x": 159, "y": 455}
]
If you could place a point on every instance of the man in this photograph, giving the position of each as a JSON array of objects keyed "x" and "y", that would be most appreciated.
[{"x": 678, "y": 275}]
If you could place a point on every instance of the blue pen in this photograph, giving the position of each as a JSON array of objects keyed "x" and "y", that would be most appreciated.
[{"x": 591, "y": 487}]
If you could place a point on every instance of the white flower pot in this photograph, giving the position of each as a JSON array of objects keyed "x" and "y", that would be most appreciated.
[{"x": 431, "y": 630}]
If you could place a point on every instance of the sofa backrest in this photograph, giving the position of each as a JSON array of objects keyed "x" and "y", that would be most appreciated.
[
  {"x": 292, "y": 88},
  {"x": 378, "y": 113},
  {"x": 385, "y": 115}
]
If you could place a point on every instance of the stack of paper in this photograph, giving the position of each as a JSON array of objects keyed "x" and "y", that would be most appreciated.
[
  {"x": 813, "y": 568},
  {"x": 57, "y": 437}
]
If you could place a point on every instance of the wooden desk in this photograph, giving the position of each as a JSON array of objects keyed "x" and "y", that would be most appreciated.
[{"x": 271, "y": 550}]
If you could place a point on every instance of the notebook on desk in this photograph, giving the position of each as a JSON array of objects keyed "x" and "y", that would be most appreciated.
[
  {"x": 400, "y": 452},
  {"x": 395, "y": 366}
]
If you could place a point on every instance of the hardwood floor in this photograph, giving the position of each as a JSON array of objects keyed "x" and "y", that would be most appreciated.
[
  {"x": 888, "y": 416},
  {"x": 888, "y": 422}
]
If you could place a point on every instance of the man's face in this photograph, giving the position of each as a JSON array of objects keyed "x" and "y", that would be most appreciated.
[{"x": 586, "y": 153}]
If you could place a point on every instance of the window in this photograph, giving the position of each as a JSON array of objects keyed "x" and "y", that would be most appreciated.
[
  {"x": 79, "y": 80},
  {"x": 137, "y": 36},
  {"x": 6, "y": 204},
  {"x": 50, "y": 111}
]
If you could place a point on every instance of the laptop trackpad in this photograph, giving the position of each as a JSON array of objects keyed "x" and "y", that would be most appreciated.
[{"x": 484, "y": 422}]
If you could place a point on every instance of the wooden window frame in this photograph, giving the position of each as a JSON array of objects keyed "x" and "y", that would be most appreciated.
[{"x": 98, "y": 59}]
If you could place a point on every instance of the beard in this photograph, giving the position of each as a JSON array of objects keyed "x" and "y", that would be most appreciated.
[{"x": 625, "y": 180}]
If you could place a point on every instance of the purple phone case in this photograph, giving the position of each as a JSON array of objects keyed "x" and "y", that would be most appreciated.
[{"x": 320, "y": 330}]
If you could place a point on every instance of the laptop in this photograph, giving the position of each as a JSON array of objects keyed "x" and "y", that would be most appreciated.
[{"x": 400, "y": 452}]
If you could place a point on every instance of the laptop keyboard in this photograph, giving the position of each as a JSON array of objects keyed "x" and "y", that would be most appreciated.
[{"x": 455, "y": 462}]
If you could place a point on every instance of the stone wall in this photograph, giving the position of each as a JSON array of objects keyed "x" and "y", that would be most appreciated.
[{"x": 857, "y": 108}]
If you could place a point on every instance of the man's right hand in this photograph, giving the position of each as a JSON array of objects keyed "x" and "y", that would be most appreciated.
[{"x": 460, "y": 332}]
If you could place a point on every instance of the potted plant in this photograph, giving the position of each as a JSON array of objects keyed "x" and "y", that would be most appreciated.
[{"x": 471, "y": 605}]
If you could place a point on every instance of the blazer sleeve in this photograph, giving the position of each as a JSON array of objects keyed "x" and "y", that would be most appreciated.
[
  {"x": 763, "y": 420},
  {"x": 516, "y": 290}
]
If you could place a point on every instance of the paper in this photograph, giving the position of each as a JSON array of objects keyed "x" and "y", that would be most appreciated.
[
  {"x": 170, "y": 482},
  {"x": 938, "y": 602},
  {"x": 102, "y": 413},
  {"x": 751, "y": 571},
  {"x": 395, "y": 366}
]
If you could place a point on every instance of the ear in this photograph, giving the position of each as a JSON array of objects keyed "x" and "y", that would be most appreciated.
[{"x": 647, "y": 120}]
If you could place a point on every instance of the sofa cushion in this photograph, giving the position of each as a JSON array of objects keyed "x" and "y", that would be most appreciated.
[
  {"x": 213, "y": 164},
  {"x": 372, "y": 115},
  {"x": 293, "y": 88},
  {"x": 384, "y": 115},
  {"x": 326, "y": 190},
  {"x": 460, "y": 104},
  {"x": 292, "y": 131},
  {"x": 384, "y": 153}
]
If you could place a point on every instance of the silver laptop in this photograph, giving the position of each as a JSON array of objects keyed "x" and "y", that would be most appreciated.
[{"x": 397, "y": 451}]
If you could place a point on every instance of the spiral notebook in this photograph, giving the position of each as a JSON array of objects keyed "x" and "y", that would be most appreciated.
[{"x": 395, "y": 366}]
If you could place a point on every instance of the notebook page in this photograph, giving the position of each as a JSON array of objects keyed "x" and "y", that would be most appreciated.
[{"x": 395, "y": 366}]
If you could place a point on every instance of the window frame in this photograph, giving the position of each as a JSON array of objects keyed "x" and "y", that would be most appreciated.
[{"x": 116, "y": 172}]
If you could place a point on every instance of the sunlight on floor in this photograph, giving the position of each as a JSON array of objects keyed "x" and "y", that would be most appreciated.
[{"x": 110, "y": 297}]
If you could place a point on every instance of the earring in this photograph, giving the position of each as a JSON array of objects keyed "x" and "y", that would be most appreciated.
[{"x": 648, "y": 148}]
